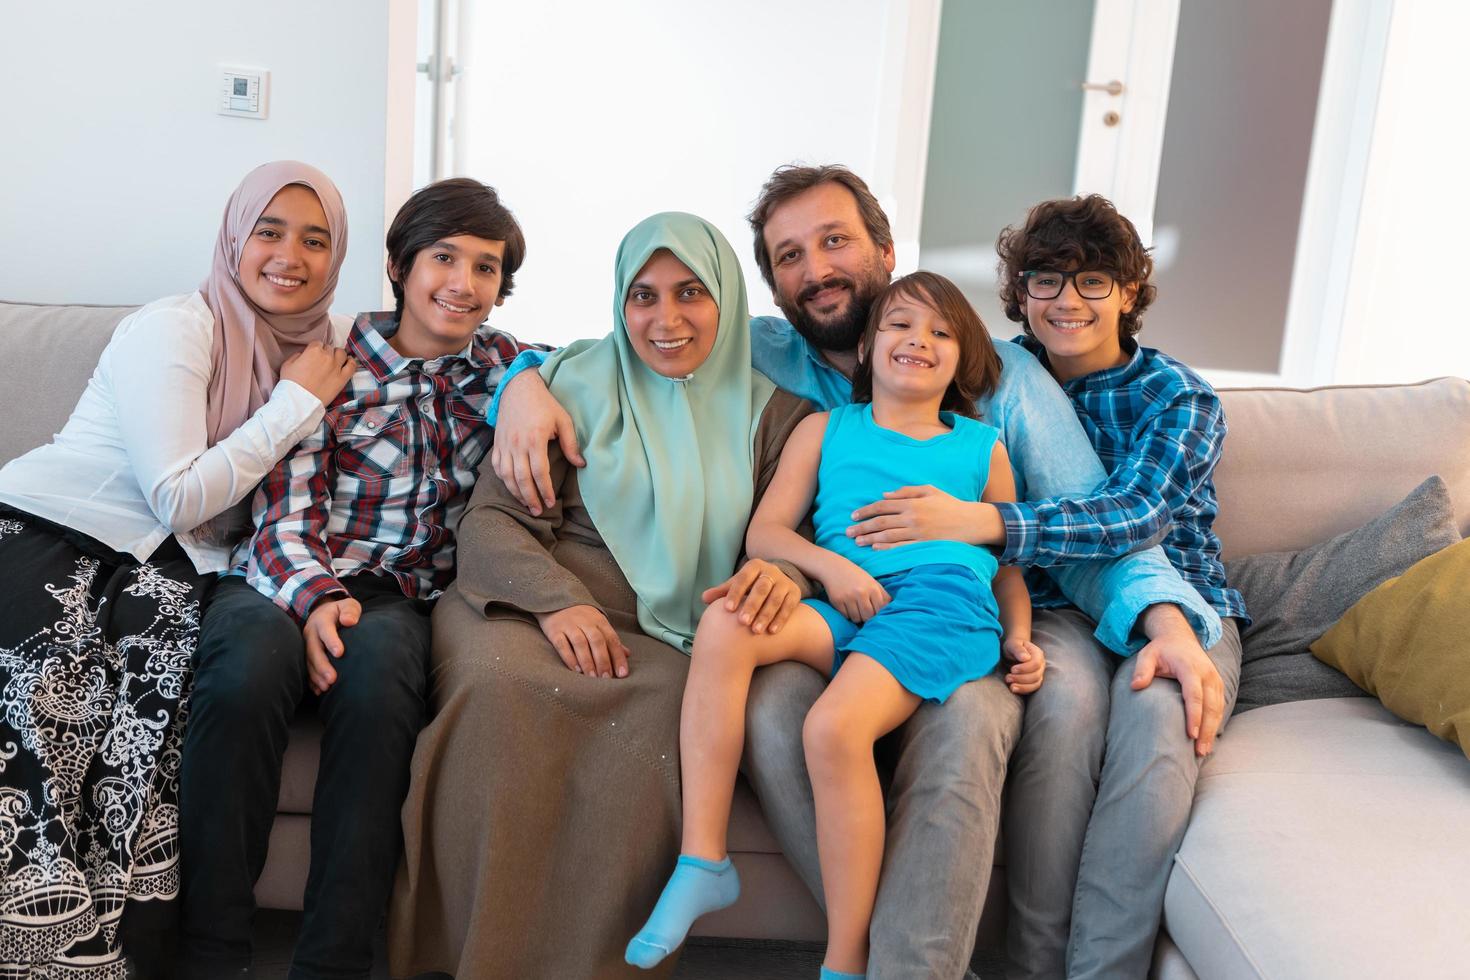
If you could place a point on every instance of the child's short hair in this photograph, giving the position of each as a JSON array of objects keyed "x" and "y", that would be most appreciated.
[
  {"x": 1073, "y": 235},
  {"x": 457, "y": 206},
  {"x": 978, "y": 371}
]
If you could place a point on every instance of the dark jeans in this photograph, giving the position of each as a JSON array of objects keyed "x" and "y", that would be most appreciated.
[{"x": 250, "y": 675}]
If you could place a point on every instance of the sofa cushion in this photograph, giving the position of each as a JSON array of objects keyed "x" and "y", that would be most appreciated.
[
  {"x": 52, "y": 351},
  {"x": 299, "y": 765},
  {"x": 1326, "y": 841},
  {"x": 1300, "y": 466},
  {"x": 1295, "y": 597},
  {"x": 1169, "y": 963},
  {"x": 1408, "y": 643}
]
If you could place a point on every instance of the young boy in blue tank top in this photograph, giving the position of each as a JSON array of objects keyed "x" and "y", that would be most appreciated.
[{"x": 897, "y": 626}]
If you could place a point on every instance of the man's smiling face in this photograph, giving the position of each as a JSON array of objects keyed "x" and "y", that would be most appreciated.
[{"x": 827, "y": 269}]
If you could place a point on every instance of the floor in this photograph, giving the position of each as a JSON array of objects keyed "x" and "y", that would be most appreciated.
[{"x": 703, "y": 959}]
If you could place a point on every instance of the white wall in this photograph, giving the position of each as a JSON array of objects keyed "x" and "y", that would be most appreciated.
[
  {"x": 589, "y": 116},
  {"x": 1407, "y": 313},
  {"x": 115, "y": 167}
]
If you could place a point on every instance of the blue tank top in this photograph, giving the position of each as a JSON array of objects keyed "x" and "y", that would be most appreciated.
[{"x": 861, "y": 461}]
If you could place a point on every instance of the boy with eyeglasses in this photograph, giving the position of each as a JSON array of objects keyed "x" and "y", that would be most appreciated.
[{"x": 1087, "y": 897}]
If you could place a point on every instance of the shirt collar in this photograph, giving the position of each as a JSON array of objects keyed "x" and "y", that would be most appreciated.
[
  {"x": 369, "y": 342},
  {"x": 815, "y": 356},
  {"x": 1109, "y": 378}
]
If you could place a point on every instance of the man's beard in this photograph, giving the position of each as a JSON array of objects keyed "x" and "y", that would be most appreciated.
[{"x": 842, "y": 330}]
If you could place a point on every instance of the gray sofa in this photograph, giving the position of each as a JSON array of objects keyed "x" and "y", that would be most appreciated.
[{"x": 1328, "y": 838}]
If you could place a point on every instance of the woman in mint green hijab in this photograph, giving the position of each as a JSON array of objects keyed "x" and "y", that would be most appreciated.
[{"x": 544, "y": 803}]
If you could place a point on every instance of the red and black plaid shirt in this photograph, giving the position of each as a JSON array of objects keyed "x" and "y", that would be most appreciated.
[{"x": 381, "y": 484}]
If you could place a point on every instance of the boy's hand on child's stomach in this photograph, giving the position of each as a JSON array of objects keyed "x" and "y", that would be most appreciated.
[
  {"x": 1028, "y": 665},
  {"x": 911, "y": 514},
  {"x": 855, "y": 593},
  {"x": 324, "y": 641},
  {"x": 765, "y": 595},
  {"x": 530, "y": 417},
  {"x": 585, "y": 641}
]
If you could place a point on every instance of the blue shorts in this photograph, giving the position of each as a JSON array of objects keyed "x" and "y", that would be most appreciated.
[{"x": 940, "y": 629}]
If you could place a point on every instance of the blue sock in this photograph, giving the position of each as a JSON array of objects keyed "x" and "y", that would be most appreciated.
[
  {"x": 830, "y": 974},
  {"x": 697, "y": 886}
]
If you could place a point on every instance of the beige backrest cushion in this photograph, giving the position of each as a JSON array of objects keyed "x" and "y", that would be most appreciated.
[
  {"x": 50, "y": 352},
  {"x": 1300, "y": 466}
]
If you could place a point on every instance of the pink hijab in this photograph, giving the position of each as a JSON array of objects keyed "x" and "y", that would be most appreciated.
[{"x": 250, "y": 344}]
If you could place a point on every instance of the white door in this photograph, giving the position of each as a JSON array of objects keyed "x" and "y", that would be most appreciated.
[{"x": 1125, "y": 103}]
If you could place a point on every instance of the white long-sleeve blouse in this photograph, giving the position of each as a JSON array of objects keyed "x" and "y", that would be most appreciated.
[{"x": 133, "y": 465}]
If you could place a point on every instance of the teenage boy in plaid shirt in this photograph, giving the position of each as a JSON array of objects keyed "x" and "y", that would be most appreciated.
[
  {"x": 354, "y": 541},
  {"x": 1076, "y": 276}
]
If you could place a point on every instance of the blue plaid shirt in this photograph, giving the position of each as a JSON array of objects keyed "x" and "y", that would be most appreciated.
[{"x": 1158, "y": 428}]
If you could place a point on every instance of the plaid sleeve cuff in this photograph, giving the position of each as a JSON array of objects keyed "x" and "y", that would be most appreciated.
[
  {"x": 306, "y": 592},
  {"x": 1023, "y": 533},
  {"x": 1119, "y": 628}
]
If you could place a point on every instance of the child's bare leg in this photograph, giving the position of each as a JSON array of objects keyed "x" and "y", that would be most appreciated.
[
  {"x": 712, "y": 722},
  {"x": 863, "y": 703},
  {"x": 711, "y": 737}
]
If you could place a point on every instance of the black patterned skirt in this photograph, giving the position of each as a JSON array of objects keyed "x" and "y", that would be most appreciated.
[{"x": 96, "y": 654}]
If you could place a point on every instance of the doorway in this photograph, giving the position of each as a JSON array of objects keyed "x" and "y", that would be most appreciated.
[{"x": 1239, "y": 96}]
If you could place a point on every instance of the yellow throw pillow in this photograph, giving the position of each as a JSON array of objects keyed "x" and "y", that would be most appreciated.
[{"x": 1408, "y": 643}]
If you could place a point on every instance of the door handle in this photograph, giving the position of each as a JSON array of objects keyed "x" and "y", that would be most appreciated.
[{"x": 1114, "y": 87}]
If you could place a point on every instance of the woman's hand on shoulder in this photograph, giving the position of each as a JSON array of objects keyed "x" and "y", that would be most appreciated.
[
  {"x": 765, "y": 595},
  {"x": 1028, "y": 665},
  {"x": 530, "y": 417},
  {"x": 585, "y": 641},
  {"x": 324, "y": 371}
]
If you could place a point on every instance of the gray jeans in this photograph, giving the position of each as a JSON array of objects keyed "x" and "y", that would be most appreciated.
[
  {"x": 1097, "y": 801},
  {"x": 948, "y": 766}
]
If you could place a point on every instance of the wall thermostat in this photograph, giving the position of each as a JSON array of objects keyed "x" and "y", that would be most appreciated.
[{"x": 244, "y": 92}]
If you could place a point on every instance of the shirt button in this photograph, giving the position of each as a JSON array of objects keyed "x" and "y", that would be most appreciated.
[{"x": 372, "y": 424}]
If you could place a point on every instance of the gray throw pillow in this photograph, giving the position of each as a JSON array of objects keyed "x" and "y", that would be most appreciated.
[
  {"x": 1295, "y": 597},
  {"x": 1291, "y": 677}
]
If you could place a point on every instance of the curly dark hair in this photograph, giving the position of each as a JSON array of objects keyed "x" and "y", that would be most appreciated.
[
  {"x": 978, "y": 371},
  {"x": 1075, "y": 234}
]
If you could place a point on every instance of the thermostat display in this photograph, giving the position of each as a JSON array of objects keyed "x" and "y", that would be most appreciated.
[{"x": 243, "y": 91}]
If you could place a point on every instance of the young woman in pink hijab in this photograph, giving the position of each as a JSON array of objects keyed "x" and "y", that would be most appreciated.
[{"x": 110, "y": 537}]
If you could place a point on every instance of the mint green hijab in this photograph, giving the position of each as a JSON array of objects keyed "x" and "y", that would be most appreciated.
[{"x": 669, "y": 479}]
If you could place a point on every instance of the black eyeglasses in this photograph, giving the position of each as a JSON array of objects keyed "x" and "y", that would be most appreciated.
[{"x": 1046, "y": 284}]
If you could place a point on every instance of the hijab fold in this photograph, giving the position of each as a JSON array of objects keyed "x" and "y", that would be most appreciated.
[
  {"x": 250, "y": 345},
  {"x": 669, "y": 479}
]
